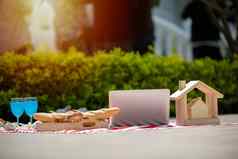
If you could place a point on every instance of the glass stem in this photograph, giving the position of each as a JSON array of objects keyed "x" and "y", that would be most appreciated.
[
  {"x": 31, "y": 119},
  {"x": 17, "y": 120}
]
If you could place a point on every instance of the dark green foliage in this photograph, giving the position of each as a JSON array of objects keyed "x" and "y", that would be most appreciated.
[{"x": 84, "y": 81}]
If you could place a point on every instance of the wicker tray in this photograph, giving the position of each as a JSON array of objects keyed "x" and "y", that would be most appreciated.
[{"x": 69, "y": 126}]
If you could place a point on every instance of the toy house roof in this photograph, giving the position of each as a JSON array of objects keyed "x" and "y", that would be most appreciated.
[{"x": 192, "y": 85}]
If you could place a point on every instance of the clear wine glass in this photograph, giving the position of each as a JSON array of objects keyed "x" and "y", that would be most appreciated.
[
  {"x": 31, "y": 106},
  {"x": 17, "y": 108}
]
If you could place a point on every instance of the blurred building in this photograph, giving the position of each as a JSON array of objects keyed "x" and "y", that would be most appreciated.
[
  {"x": 171, "y": 32},
  {"x": 42, "y": 26}
]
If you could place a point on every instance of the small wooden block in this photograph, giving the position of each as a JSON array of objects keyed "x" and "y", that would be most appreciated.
[
  {"x": 70, "y": 126},
  {"x": 204, "y": 121}
]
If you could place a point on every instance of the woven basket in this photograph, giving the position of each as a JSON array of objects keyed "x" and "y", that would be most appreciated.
[{"x": 70, "y": 126}]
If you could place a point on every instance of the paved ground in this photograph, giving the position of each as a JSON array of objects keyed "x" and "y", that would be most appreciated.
[{"x": 205, "y": 142}]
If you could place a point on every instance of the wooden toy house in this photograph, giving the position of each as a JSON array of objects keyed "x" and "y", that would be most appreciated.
[{"x": 196, "y": 112}]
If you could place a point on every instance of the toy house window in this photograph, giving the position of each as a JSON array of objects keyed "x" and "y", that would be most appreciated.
[{"x": 195, "y": 94}]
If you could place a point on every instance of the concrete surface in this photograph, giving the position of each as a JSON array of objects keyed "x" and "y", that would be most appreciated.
[{"x": 204, "y": 142}]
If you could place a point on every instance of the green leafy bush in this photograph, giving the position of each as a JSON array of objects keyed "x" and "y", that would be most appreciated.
[{"x": 84, "y": 81}]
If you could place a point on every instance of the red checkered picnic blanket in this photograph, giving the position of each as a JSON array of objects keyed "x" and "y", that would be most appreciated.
[{"x": 28, "y": 130}]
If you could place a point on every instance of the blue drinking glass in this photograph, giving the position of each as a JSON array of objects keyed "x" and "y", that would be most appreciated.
[
  {"x": 30, "y": 106},
  {"x": 17, "y": 108}
]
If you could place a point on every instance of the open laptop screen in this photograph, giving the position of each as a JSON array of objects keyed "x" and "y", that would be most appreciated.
[{"x": 139, "y": 107}]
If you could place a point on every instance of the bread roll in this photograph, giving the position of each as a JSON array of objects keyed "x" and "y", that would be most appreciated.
[
  {"x": 110, "y": 112},
  {"x": 44, "y": 117},
  {"x": 88, "y": 119},
  {"x": 99, "y": 114},
  {"x": 71, "y": 116},
  {"x": 74, "y": 113},
  {"x": 75, "y": 116},
  {"x": 88, "y": 115},
  {"x": 60, "y": 117}
]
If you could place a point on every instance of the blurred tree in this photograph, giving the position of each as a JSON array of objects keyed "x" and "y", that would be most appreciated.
[
  {"x": 92, "y": 25},
  {"x": 227, "y": 11},
  {"x": 14, "y": 19},
  {"x": 205, "y": 36}
]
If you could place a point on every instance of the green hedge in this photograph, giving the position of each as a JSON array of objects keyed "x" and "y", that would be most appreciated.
[{"x": 84, "y": 81}]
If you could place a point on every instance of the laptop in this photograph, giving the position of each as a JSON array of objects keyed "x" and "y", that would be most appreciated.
[{"x": 140, "y": 107}]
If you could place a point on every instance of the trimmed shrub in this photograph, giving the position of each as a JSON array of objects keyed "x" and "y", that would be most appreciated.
[{"x": 72, "y": 78}]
